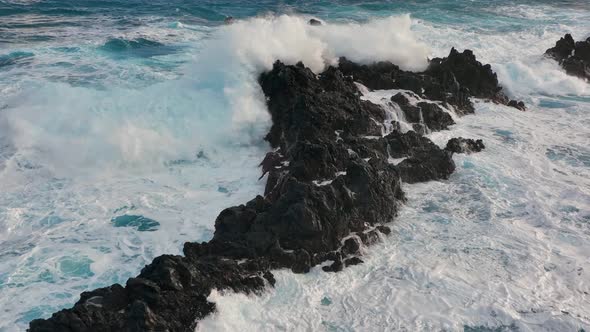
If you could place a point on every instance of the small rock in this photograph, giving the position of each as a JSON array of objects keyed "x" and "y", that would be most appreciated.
[
  {"x": 384, "y": 229},
  {"x": 517, "y": 104},
  {"x": 351, "y": 246},
  {"x": 464, "y": 145},
  {"x": 314, "y": 22},
  {"x": 353, "y": 261}
]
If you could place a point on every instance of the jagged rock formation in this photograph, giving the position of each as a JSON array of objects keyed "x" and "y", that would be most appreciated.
[
  {"x": 451, "y": 80},
  {"x": 423, "y": 114},
  {"x": 333, "y": 182},
  {"x": 573, "y": 56}
]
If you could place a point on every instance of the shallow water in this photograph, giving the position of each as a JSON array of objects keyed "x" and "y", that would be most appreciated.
[{"x": 126, "y": 127}]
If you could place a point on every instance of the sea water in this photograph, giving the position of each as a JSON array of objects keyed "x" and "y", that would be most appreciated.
[{"x": 126, "y": 127}]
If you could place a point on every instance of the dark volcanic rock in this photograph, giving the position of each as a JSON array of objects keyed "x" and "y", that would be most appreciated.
[
  {"x": 573, "y": 56},
  {"x": 424, "y": 167},
  {"x": 353, "y": 261},
  {"x": 169, "y": 294},
  {"x": 330, "y": 177},
  {"x": 351, "y": 246},
  {"x": 452, "y": 80},
  {"x": 564, "y": 48},
  {"x": 313, "y": 21},
  {"x": 427, "y": 114},
  {"x": 464, "y": 145},
  {"x": 434, "y": 117},
  {"x": 517, "y": 104}
]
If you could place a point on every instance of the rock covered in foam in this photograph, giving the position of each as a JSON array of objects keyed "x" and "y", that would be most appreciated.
[
  {"x": 573, "y": 56},
  {"x": 331, "y": 186}
]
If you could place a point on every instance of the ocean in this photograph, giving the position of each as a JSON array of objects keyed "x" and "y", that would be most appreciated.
[{"x": 127, "y": 126}]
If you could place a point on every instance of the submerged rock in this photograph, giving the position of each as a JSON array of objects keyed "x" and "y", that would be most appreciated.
[
  {"x": 330, "y": 178},
  {"x": 573, "y": 56}
]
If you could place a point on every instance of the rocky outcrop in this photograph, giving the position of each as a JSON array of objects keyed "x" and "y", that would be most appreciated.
[
  {"x": 573, "y": 56},
  {"x": 333, "y": 180},
  {"x": 451, "y": 80}
]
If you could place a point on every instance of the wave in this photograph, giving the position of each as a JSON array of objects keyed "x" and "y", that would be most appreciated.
[
  {"x": 217, "y": 103},
  {"x": 139, "y": 46},
  {"x": 16, "y": 59}
]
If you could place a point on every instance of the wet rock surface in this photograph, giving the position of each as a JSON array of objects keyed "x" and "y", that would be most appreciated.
[
  {"x": 315, "y": 22},
  {"x": 431, "y": 115},
  {"x": 334, "y": 178},
  {"x": 464, "y": 145},
  {"x": 573, "y": 56},
  {"x": 451, "y": 80}
]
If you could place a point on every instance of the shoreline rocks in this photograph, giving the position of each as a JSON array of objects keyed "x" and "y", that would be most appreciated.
[
  {"x": 332, "y": 187},
  {"x": 573, "y": 56}
]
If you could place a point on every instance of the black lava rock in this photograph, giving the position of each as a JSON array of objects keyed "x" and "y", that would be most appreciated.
[
  {"x": 464, "y": 145},
  {"x": 315, "y": 22},
  {"x": 573, "y": 56},
  {"x": 353, "y": 261},
  {"x": 451, "y": 80},
  {"x": 430, "y": 115},
  {"x": 517, "y": 104}
]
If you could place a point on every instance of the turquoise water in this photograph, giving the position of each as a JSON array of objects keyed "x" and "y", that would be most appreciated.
[{"x": 126, "y": 126}]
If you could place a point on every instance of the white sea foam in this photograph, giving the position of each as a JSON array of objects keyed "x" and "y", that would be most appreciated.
[{"x": 261, "y": 41}]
